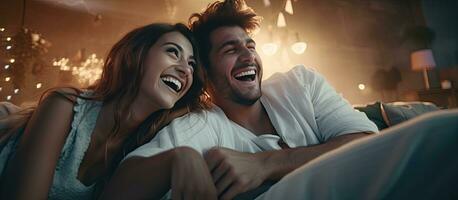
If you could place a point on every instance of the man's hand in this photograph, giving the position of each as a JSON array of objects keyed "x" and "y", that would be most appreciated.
[
  {"x": 235, "y": 172},
  {"x": 191, "y": 178}
]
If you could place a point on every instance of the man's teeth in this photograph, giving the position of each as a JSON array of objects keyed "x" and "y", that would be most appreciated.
[
  {"x": 174, "y": 81},
  {"x": 245, "y": 73}
]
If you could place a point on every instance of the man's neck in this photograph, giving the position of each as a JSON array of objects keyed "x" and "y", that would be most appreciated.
[{"x": 252, "y": 117}]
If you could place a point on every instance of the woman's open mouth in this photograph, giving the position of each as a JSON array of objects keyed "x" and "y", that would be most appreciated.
[{"x": 172, "y": 83}]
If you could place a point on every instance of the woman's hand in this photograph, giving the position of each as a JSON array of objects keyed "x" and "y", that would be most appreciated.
[{"x": 191, "y": 178}]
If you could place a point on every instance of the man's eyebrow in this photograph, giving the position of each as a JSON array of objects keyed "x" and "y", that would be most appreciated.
[
  {"x": 227, "y": 43},
  {"x": 234, "y": 42}
]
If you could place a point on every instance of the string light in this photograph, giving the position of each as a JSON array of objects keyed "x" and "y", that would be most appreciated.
[
  {"x": 39, "y": 85},
  {"x": 89, "y": 71},
  {"x": 7, "y": 66},
  {"x": 8, "y": 39},
  {"x": 8, "y": 97},
  {"x": 2, "y": 29},
  {"x": 16, "y": 91},
  {"x": 62, "y": 63},
  {"x": 361, "y": 86},
  {"x": 1, "y": 89},
  {"x": 12, "y": 60},
  {"x": 86, "y": 72},
  {"x": 7, "y": 78},
  {"x": 8, "y": 47}
]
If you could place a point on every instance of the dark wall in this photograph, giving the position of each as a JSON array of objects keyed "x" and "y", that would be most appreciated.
[
  {"x": 348, "y": 40},
  {"x": 442, "y": 18}
]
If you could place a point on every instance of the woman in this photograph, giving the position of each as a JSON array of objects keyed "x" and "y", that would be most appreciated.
[{"x": 70, "y": 144}]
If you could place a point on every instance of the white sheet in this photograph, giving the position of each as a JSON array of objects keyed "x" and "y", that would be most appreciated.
[{"x": 414, "y": 160}]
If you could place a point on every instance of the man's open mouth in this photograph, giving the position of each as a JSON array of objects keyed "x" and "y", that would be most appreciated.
[
  {"x": 249, "y": 75},
  {"x": 172, "y": 82}
]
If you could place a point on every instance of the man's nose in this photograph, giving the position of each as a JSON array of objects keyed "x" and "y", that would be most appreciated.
[{"x": 248, "y": 55}]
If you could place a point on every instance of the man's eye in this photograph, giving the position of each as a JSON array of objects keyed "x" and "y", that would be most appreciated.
[
  {"x": 252, "y": 47},
  {"x": 174, "y": 51},
  {"x": 230, "y": 51}
]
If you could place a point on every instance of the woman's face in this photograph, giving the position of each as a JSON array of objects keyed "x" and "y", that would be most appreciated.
[{"x": 168, "y": 69}]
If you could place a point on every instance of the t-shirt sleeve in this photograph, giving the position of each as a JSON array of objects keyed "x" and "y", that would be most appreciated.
[
  {"x": 190, "y": 130},
  {"x": 163, "y": 141},
  {"x": 333, "y": 114}
]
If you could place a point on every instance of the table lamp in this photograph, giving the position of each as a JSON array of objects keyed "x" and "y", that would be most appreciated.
[{"x": 423, "y": 60}]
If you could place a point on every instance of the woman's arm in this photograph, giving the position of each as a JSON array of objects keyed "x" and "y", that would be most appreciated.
[
  {"x": 30, "y": 173},
  {"x": 183, "y": 169}
]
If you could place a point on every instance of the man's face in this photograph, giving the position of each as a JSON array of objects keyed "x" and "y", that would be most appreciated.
[{"x": 235, "y": 69}]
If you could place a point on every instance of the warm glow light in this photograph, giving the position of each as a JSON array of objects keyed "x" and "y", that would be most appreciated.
[
  {"x": 1, "y": 89},
  {"x": 62, "y": 63},
  {"x": 86, "y": 72},
  {"x": 8, "y": 47},
  {"x": 7, "y": 66},
  {"x": 8, "y": 39},
  {"x": 299, "y": 47},
  {"x": 289, "y": 7},
  {"x": 12, "y": 60},
  {"x": 39, "y": 85},
  {"x": 8, "y": 97},
  {"x": 89, "y": 71},
  {"x": 16, "y": 91},
  {"x": 361, "y": 86},
  {"x": 2, "y": 29},
  {"x": 7, "y": 79},
  {"x": 266, "y": 3},
  {"x": 269, "y": 48},
  {"x": 281, "y": 22}
]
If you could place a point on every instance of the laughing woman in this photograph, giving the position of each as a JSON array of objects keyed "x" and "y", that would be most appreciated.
[{"x": 68, "y": 147}]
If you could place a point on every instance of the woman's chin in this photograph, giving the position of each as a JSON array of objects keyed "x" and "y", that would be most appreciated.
[{"x": 168, "y": 105}]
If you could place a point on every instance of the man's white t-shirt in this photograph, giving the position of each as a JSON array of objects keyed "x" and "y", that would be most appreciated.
[{"x": 304, "y": 109}]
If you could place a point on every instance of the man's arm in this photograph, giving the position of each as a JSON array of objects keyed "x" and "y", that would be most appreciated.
[
  {"x": 236, "y": 172},
  {"x": 281, "y": 162}
]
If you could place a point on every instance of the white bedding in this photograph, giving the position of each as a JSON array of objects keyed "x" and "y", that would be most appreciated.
[{"x": 414, "y": 160}]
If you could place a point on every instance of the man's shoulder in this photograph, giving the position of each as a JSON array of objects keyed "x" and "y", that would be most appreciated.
[
  {"x": 298, "y": 79},
  {"x": 204, "y": 120},
  {"x": 299, "y": 73}
]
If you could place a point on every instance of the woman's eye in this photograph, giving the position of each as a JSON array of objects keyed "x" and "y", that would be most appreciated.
[
  {"x": 193, "y": 65},
  {"x": 174, "y": 51}
]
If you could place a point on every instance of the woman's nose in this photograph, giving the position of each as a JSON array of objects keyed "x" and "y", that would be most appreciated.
[{"x": 184, "y": 69}]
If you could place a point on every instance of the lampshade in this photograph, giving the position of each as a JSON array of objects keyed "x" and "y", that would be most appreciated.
[{"x": 422, "y": 59}]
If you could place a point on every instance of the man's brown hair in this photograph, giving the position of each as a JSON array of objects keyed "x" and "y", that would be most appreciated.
[{"x": 219, "y": 14}]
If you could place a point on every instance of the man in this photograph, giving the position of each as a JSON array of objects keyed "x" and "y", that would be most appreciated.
[
  {"x": 256, "y": 133},
  {"x": 299, "y": 107}
]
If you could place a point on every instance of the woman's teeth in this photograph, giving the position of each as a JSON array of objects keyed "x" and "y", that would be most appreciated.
[{"x": 172, "y": 83}]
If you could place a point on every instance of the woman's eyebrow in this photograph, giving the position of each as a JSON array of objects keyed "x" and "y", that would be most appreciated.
[
  {"x": 178, "y": 47},
  {"x": 174, "y": 44}
]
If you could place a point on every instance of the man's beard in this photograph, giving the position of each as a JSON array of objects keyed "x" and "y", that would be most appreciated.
[
  {"x": 233, "y": 95},
  {"x": 242, "y": 99}
]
